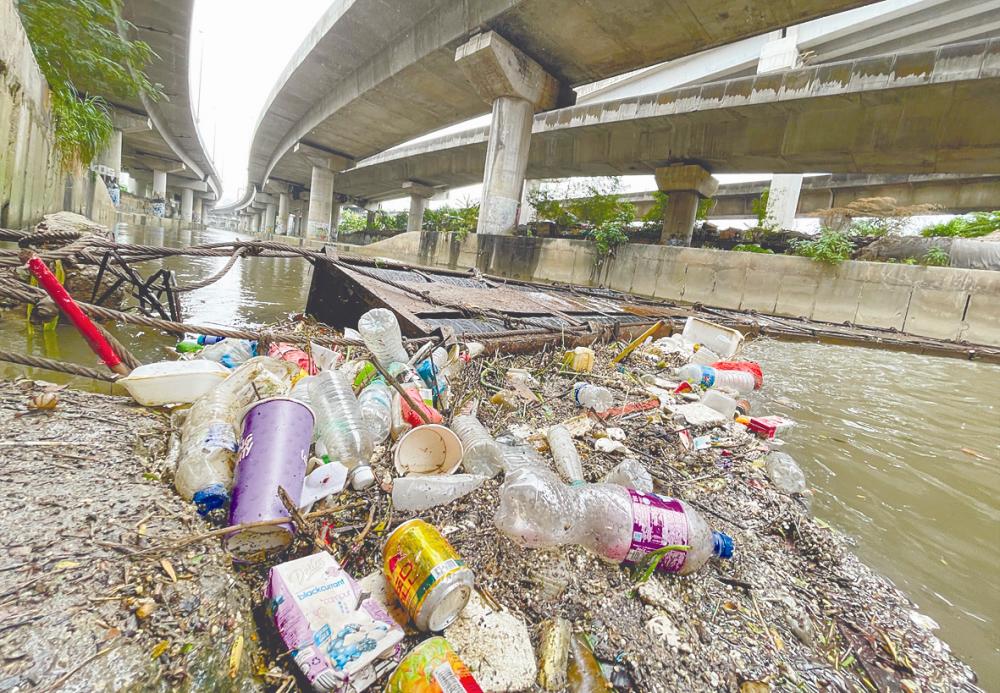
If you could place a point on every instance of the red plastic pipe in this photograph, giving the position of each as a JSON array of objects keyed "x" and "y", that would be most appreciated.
[{"x": 71, "y": 310}]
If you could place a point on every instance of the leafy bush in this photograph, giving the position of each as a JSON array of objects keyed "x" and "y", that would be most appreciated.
[
  {"x": 935, "y": 257},
  {"x": 352, "y": 222},
  {"x": 759, "y": 207},
  {"x": 459, "y": 222},
  {"x": 969, "y": 226},
  {"x": 876, "y": 226},
  {"x": 85, "y": 59},
  {"x": 752, "y": 248},
  {"x": 596, "y": 207},
  {"x": 830, "y": 246}
]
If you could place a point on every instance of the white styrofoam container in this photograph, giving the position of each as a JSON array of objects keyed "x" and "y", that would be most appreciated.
[
  {"x": 722, "y": 340},
  {"x": 173, "y": 382}
]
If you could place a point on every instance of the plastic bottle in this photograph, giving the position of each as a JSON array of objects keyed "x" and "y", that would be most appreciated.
[
  {"x": 720, "y": 402},
  {"x": 432, "y": 376},
  {"x": 341, "y": 425},
  {"x": 230, "y": 352},
  {"x": 618, "y": 524},
  {"x": 483, "y": 455},
  {"x": 380, "y": 331},
  {"x": 593, "y": 397},
  {"x": 785, "y": 473},
  {"x": 630, "y": 474},
  {"x": 709, "y": 378},
  {"x": 376, "y": 408},
  {"x": 188, "y": 346},
  {"x": 583, "y": 671},
  {"x": 564, "y": 453},
  {"x": 416, "y": 493},
  {"x": 209, "y": 436}
]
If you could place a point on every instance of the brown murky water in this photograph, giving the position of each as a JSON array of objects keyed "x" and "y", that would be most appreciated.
[{"x": 903, "y": 451}]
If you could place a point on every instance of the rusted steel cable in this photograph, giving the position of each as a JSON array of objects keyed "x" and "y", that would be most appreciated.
[{"x": 58, "y": 366}]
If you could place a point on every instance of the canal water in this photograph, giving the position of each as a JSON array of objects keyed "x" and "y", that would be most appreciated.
[{"x": 901, "y": 450}]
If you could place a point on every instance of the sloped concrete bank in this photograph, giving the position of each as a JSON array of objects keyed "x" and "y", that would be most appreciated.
[{"x": 936, "y": 302}]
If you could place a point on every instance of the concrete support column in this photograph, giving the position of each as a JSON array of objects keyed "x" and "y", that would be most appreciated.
[
  {"x": 335, "y": 208},
  {"x": 199, "y": 211},
  {"x": 255, "y": 223},
  {"x": 159, "y": 193},
  {"x": 187, "y": 205},
  {"x": 685, "y": 185},
  {"x": 369, "y": 219},
  {"x": 415, "y": 219},
  {"x": 270, "y": 213},
  {"x": 517, "y": 87},
  {"x": 111, "y": 160},
  {"x": 320, "y": 203},
  {"x": 281, "y": 223},
  {"x": 781, "y": 53}
]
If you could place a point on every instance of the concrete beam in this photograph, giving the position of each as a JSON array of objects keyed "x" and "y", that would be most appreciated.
[
  {"x": 495, "y": 68},
  {"x": 323, "y": 158}
]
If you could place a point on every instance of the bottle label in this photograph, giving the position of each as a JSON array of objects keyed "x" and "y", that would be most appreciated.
[
  {"x": 657, "y": 522},
  {"x": 220, "y": 436},
  {"x": 707, "y": 377}
]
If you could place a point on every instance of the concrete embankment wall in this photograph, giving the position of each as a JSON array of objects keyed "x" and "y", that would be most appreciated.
[
  {"x": 938, "y": 302},
  {"x": 32, "y": 180}
]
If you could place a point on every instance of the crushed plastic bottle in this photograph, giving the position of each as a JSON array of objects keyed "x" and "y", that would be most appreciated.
[
  {"x": 209, "y": 436},
  {"x": 483, "y": 455},
  {"x": 708, "y": 378},
  {"x": 630, "y": 473},
  {"x": 785, "y": 473},
  {"x": 537, "y": 510},
  {"x": 593, "y": 397},
  {"x": 341, "y": 425},
  {"x": 417, "y": 493},
  {"x": 380, "y": 331},
  {"x": 564, "y": 453},
  {"x": 230, "y": 352},
  {"x": 376, "y": 408}
]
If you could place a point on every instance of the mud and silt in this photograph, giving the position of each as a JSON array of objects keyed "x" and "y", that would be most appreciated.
[{"x": 794, "y": 609}]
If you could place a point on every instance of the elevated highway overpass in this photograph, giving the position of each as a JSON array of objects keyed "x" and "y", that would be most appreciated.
[{"x": 366, "y": 79}]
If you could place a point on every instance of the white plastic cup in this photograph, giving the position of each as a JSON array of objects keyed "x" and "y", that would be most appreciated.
[{"x": 426, "y": 450}]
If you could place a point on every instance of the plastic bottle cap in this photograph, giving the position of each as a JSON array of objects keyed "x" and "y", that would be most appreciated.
[
  {"x": 362, "y": 478},
  {"x": 723, "y": 545},
  {"x": 211, "y": 498}
]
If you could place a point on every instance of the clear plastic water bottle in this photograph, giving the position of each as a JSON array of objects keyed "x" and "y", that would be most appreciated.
[
  {"x": 417, "y": 493},
  {"x": 709, "y": 378},
  {"x": 593, "y": 397},
  {"x": 630, "y": 473},
  {"x": 380, "y": 331},
  {"x": 376, "y": 408},
  {"x": 483, "y": 455},
  {"x": 210, "y": 435},
  {"x": 564, "y": 453},
  {"x": 230, "y": 352},
  {"x": 785, "y": 473},
  {"x": 537, "y": 510},
  {"x": 341, "y": 425}
]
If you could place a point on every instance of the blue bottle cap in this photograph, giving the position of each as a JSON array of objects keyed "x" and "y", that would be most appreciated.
[
  {"x": 211, "y": 498},
  {"x": 723, "y": 545}
]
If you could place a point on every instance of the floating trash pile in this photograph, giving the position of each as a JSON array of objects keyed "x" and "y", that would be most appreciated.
[{"x": 608, "y": 518}]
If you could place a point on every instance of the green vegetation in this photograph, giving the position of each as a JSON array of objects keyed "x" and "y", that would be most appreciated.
[
  {"x": 832, "y": 247},
  {"x": 759, "y": 207},
  {"x": 969, "y": 226},
  {"x": 751, "y": 248},
  {"x": 459, "y": 222},
  {"x": 660, "y": 201},
  {"x": 597, "y": 208},
  {"x": 876, "y": 226},
  {"x": 935, "y": 257},
  {"x": 390, "y": 222},
  {"x": 85, "y": 60},
  {"x": 352, "y": 222}
]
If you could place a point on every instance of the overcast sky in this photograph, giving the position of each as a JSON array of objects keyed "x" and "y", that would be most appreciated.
[{"x": 238, "y": 50}]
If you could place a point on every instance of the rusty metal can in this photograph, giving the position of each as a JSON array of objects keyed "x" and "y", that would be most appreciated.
[
  {"x": 429, "y": 577},
  {"x": 432, "y": 667}
]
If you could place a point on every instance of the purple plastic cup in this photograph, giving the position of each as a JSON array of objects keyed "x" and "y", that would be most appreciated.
[{"x": 273, "y": 453}]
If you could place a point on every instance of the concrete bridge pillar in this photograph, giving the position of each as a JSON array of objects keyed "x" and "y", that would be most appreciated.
[
  {"x": 781, "y": 53},
  {"x": 255, "y": 223},
  {"x": 198, "y": 214},
  {"x": 320, "y": 203},
  {"x": 686, "y": 185},
  {"x": 187, "y": 204},
  {"x": 159, "y": 193},
  {"x": 419, "y": 195},
  {"x": 270, "y": 213},
  {"x": 281, "y": 223},
  {"x": 517, "y": 87}
]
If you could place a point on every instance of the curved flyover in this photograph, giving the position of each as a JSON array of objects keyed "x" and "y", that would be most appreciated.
[
  {"x": 173, "y": 143},
  {"x": 928, "y": 111},
  {"x": 369, "y": 76}
]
